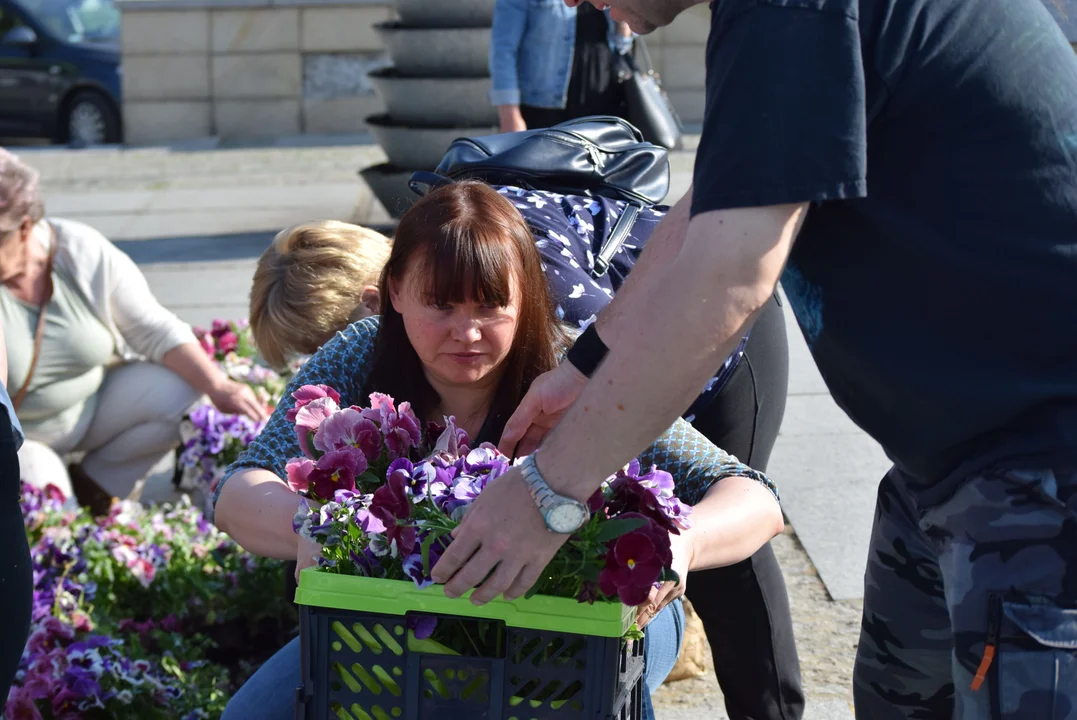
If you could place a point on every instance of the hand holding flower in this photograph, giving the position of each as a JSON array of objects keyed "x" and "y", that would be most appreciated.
[
  {"x": 229, "y": 396},
  {"x": 306, "y": 555},
  {"x": 667, "y": 592}
]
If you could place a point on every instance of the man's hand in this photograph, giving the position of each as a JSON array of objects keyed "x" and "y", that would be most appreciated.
[
  {"x": 502, "y": 540},
  {"x": 236, "y": 398},
  {"x": 669, "y": 591},
  {"x": 546, "y": 401}
]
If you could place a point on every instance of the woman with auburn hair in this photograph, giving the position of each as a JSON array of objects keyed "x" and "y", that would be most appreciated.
[
  {"x": 744, "y": 607},
  {"x": 467, "y": 324}
]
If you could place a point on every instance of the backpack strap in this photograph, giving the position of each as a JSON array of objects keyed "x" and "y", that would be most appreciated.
[
  {"x": 421, "y": 182},
  {"x": 616, "y": 239}
]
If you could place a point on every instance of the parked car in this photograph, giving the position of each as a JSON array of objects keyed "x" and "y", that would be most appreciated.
[{"x": 60, "y": 70}]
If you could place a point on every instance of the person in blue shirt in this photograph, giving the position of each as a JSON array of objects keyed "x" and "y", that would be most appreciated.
[
  {"x": 550, "y": 63},
  {"x": 908, "y": 169},
  {"x": 16, "y": 577}
]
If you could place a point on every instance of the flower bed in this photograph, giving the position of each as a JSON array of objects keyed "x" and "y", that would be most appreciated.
[
  {"x": 212, "y": 440},
  {"x": 145, "y": 613}
]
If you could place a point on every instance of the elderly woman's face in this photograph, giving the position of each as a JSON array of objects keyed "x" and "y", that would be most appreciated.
[{"x": 14, "y": 244}]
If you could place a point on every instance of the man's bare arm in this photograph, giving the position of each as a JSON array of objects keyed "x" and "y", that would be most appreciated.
[
  {"x": 668, "y": 341},
  {"x": 661, "y": 249}
]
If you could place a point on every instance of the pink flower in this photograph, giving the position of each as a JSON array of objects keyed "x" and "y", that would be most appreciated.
[
  {"x": 307, "y": 394},
  {"x": 400, "y": 427},
  {"x": 348, "y": 428},
  {"x": 46, "y": 633},
  {"x": 143, "y": 570},
  {"x": 453, "y": 441},
  {"x": 299, "y": 470},
  {"x": 336, "y": 470},
  {"x": 21, "y": 706},
  {"x": 228, "y": 342},
  {"x": 381, "y": 405},
  {"x": 206, "y": 341},
  {"x": 634, "y": 562},
  {"x": 309, "y": 418},
  {"x": 402, "y": 432}
]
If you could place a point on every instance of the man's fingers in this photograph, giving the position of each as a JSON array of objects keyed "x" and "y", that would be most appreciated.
[
  {"x": 459, "y": 552},
  {"x": 525, "y": 580},
  {"x": 531, "y": 440},
  {"x": 519, "y": 423},
  {"x": 473, "y": 572},
  {"x": 502, "y": 579}
]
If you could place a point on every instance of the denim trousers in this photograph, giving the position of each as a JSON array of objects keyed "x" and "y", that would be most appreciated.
[{"x": 270, "y": 693}]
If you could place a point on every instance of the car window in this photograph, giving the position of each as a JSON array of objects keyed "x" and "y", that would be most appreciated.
[
  {"x": 8, "y": 20},
  {"x": 76, "y": 20}
]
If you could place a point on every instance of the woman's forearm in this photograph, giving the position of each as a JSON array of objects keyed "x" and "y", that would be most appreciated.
[
  {"x": 734, "y": 519},
  {"x": 191, "y": 363},
  {"x": 256, "y": 510}
]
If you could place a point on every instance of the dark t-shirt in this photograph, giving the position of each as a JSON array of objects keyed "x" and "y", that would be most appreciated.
[{"x": 935, "y": 278}]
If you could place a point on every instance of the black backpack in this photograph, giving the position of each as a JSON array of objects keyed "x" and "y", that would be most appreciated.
[{"x": 593, "y": 156}]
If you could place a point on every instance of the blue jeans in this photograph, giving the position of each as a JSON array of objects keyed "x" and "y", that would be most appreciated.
[{"x": 270, "y": 693}]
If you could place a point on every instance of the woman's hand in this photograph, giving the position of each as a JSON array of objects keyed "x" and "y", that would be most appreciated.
[
  {"x": 306, "y": 555},
  {"x": 238, "y": 399},
  {"x": 510, "y": 118},
  {"x": 669, "y": 591}
]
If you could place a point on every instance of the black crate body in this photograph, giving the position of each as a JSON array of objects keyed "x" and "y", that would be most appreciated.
[{"x": 356, "y": 666}]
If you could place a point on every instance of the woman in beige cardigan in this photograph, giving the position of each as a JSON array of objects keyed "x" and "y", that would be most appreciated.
[{"x": 96, "y": 365}]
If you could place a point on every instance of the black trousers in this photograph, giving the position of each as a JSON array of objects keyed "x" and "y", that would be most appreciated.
[
  {"x": 745, "y": 607},
  {"x": 16, "y": 578}
]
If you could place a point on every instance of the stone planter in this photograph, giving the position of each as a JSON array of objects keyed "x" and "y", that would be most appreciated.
[
  {"x": 436, "y": 51},
  {"x": 446, "y": 13},
  {"x": 417, "y": 148},
  {"x": 435, "y": 102},
  {"x": 390, "y": 186},
  {"x": 437, "y": 90}
]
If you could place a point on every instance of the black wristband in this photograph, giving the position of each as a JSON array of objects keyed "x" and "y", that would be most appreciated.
[{"x": 588, "y": 352}]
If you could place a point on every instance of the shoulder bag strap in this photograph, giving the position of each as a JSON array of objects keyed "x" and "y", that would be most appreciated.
[
  {"x": 617, "y": 237},
  {"x": 39, "y": 331}
]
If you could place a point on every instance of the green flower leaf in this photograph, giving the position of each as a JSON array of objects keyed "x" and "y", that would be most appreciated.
[{"x": 612, "y": 529}]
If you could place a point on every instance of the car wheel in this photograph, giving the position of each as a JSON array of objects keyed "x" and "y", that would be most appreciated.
[{"x": 89, "y": 119}]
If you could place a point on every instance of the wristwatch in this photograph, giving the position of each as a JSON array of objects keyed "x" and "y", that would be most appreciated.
[{"x": 563, "y": 515}]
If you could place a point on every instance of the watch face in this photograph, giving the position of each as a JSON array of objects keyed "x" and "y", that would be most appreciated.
[{"x": 566, "y": 517}]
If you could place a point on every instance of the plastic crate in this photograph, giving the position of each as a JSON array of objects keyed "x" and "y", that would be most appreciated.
[{"x": 557, "y": 659}]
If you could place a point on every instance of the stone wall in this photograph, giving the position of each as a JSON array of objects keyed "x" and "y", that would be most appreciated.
[
  {"x": 261, "y": 68},
  {"x": 247, "y": 69}
]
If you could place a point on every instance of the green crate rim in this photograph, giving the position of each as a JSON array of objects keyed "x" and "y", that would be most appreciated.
[{"x": 318, "y": 588}]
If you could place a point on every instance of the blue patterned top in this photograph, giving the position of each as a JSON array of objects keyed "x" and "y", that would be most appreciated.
[{"x": 343, "y": 362}]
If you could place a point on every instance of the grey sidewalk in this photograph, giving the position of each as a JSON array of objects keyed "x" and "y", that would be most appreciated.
[{"x": 195, "y": 222}]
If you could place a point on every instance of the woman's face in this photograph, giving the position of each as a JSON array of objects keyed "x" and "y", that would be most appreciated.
[
  {"x": 13, "y": 250},
  {"x": 459, "y": 344}
]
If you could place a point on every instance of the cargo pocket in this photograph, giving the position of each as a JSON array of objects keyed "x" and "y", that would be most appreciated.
[{"x": 1037, "y": 664}]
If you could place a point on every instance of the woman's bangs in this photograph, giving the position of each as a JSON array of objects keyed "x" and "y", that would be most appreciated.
[{"x": 462, "y": 266}]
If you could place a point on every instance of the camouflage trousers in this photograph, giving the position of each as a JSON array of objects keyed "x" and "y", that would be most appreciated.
[{"x": 970, "y": 607}]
